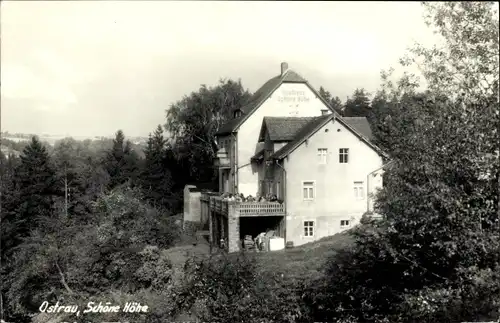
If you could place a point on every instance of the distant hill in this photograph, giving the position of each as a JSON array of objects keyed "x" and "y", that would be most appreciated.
[{"x": 15, "y": 143}]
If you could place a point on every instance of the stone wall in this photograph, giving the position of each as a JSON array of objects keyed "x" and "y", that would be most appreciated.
[{"x": 233, "y": 229}]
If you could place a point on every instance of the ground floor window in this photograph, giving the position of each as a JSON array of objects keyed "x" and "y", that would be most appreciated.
[
  {"x": 309, "y": 228},
  {"x": 345, "y": 224}
]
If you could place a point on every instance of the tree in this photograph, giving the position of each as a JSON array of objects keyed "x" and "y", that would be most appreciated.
[
  {"x": 325, "y": 94},
  {"x": 467, "y": 62},
  {"x": 121, "y": 161},
  {"x": 156, "y": 178},
  {"x": 435, "y": 255},
  {"x": 337, "y": 105},
  {"x": 75, "y": 167},
  {"x": 358, "y": 105},
  {"x": 36, "y": 183},
  {"x": 117, "y": 252},
  {"x": 334, "y": 102},
  {"x": 193, "y": 121}
]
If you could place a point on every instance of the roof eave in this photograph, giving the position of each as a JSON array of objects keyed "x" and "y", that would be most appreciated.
[{"x": 246, "y": 115}]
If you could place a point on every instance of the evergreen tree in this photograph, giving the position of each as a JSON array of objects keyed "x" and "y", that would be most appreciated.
[
  {"x": 156, "y": 177},
  {"x": 35, "y": 189},
  {"x": 325, "y": 94},
  {"x": 358, "y": 105},
  {"x": 121, "y": 161},
  {"x": 337, "y": 105},
  {"x": 334, "y": 102}
]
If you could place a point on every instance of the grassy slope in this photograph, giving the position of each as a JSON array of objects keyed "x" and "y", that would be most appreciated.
[{"x": 305, "y": 260}]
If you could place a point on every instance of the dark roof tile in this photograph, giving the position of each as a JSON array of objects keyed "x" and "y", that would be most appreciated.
[
  {"x": 307, "y": 130},
  {"x": 361, "y": 124},
  {"x": 284, "y": 128}
]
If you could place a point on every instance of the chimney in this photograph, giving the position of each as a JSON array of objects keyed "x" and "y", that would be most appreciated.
[{"x": 284, "y": 68}]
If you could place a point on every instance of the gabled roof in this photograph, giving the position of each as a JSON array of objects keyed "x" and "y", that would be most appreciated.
[
  {"x": 310, "y": 128},
  {"x": 360, "y": 128},
  {"x": 361, "y": 124},
  {"x": 282, "y": 128},
  {"x": 261, "y": 95}
]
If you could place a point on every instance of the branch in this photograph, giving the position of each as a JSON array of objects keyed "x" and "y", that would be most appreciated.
[{"x": 63, "y": 280}]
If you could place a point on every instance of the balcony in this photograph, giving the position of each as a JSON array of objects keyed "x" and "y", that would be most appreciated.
[
  {"x": 222, "y": 159},
  {"x": 222, "y": 206}
]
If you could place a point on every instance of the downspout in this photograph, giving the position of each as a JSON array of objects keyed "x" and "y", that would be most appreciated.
[
  {"x": 284, "y": 182},
  {"x": 235, "y": 159},
  {"x": 284, "y": 194}
]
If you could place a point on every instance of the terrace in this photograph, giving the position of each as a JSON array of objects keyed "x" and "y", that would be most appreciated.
[{"x": 220, "y": 205}]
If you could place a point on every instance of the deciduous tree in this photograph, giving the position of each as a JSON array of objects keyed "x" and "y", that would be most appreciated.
[{"x": 193, "y": 121}]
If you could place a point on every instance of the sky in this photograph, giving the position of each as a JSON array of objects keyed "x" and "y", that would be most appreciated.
[{"x": 90, "y": 68}]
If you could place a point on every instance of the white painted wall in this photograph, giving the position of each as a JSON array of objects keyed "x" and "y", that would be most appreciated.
[
  {"x": 282, "y": 103},
  {"x": 334, "y": 183}
]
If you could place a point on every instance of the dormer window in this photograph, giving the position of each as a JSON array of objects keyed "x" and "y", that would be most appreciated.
[{"x": 237, "y": 113}]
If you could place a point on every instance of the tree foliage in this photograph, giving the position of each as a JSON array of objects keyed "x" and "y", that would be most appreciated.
[
  {"x": 156, "y": 178},
  {"x": 466, "y": 62},
  {"x": 119, "y": 249},
  {"x": 358, "y": 105},
  {"x": 121, "y": 161},
  {"x": 334, "y": 102},
  {"x": 233, "y": 289},
  {"x": 193, "y": 121},
  {"x": 435, "y": 255}
]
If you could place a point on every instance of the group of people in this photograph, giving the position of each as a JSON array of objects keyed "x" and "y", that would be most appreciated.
[
  {"x": 257, "y": 244},
  {"x": 241, "y": 198}
]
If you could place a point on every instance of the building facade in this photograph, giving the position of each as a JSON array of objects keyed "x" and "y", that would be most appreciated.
[{"x": 288, "y": 142}]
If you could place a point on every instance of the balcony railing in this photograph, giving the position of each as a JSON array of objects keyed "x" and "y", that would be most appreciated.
[{"x": 222, "y": 206}]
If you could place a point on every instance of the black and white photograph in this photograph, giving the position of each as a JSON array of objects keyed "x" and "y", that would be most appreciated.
[{"x": 249, "y": 161}]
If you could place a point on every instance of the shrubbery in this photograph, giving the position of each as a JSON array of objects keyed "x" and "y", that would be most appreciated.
[
  {"x": 118, "y": 251},
  {"x": 233, "y": 289}
]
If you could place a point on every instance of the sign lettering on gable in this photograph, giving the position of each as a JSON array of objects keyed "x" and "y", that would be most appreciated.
[{"x": 290, "y": 96}]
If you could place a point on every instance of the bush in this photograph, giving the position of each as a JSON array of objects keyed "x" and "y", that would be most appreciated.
[
  {"x": 376, "y": 282},
  {"x": 232, "y": 289}
]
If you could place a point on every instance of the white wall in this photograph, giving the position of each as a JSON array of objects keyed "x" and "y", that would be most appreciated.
[
  {"x": 290, "y": 99},
  {"x": 334, "y": 182}
]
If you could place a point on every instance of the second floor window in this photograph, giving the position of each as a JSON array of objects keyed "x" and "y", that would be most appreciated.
[
  {"x": 322, "y": 155},
  {"x": 343, "y": 155},
  {"x": 359, "y": 190}
]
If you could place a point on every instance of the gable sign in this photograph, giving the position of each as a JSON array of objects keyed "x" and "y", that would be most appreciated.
[{"x": 293, "y": 96}]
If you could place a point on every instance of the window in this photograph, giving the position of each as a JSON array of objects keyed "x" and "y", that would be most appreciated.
[
  {"x": 277, "y": 192},
  {"x": 343, "y": 155},
  {"x": 308, "y": 228},
  {"x": 359, "y": 190},
  {"x": 322, "y": 155},
  {"x": 308, "y": 190},
  {"x": 345, "y": 224}
]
